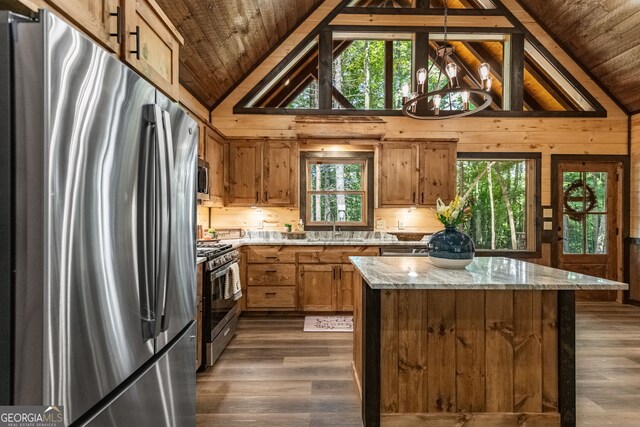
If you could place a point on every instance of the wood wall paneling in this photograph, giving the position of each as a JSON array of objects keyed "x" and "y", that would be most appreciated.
[{"x": 225, "y": 40}]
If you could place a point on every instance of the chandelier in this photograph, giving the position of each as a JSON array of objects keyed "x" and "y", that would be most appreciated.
[{"x": 413, "y": 104}]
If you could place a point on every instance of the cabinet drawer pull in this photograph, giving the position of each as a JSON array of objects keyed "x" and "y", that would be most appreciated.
[
  {"x": 271, "y": 271},
  {"x": 137, "y": 34},
  {"x": 271, "y": 257},
  {"x": 257, "y": 195},
  {"x": 118, "y": 33},
  {"x": 266, "y": 196},
  {"x": 270, "y": 293},
  {"x": 422, "y": 198},
  {"x": 414, "y": 197}
]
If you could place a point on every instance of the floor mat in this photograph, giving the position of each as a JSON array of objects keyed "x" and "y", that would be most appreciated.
[{"x": 328, "y": 324}]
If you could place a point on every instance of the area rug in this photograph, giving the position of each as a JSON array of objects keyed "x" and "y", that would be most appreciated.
[{"x": 328, "y": 324}]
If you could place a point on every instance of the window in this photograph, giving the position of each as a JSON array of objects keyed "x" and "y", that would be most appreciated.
[
  {"x": 502, "y": 193},
  {"x": 336, "y": 187}
]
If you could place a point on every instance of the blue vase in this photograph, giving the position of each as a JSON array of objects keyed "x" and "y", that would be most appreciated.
[{"x": 450, "y": 248}]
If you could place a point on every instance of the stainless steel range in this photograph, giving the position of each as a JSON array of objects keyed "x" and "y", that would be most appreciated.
[{"x": 220, "y": 315}]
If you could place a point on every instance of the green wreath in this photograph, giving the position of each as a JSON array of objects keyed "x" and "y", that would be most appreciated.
[{"x": 592, "y": 200}]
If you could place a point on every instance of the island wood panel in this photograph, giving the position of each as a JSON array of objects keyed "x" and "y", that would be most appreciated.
[
  {"x": 471, "y": 352},
  {"x": 357, "y": 331}
]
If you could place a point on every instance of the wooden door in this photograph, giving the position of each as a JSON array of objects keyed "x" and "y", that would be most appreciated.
[
  {"x": 398, "y": 174},
  {"x": 214, "y": 149},
  {"x": 151, "y": 45},
  {"x": 345, "y": 287},
  {"x": 316, "y": 288},
  {"x": 279, "y": 176},
  {"x": 95, "y": 17},
  {"x": 589, "y": 222},
  {"x": 437, "y": 177},
  {"x": 245, "y": 170}
]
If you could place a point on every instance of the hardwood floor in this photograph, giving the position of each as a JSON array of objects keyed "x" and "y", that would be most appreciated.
[
  {"x": 607, "y": 364},
  {"x": 274, "y": 374}
]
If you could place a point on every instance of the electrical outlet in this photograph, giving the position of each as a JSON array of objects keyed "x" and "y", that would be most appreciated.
[
  {"x": 260, "y": 225},
  {"x": 380, "y": 224},
  {"x": 400, "y": 225}
]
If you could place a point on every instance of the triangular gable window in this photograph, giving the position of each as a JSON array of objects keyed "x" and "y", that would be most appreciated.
[{"x": 368, "y": 68}]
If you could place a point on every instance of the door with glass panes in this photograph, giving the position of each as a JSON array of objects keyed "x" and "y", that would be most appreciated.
[{"x": 589, "y": 221}]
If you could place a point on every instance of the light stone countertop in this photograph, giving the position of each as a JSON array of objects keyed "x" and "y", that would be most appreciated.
[
  {"x": 487, "y": 273},
  {"x": 200, "y": 260}
]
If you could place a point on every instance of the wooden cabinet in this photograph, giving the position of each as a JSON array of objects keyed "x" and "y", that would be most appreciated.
[
  {"x": 271, "y": 279},
  {"x": 416, "y": 173},
  {"x": 101, "y": 19},
  {"x": 138, "y": 31},
  {"x": 151, "y": 44},
  {"x": 318, "y": 278},
  {"x": 262, "y": 173},
  {"x": 437, "y": 178},
  {"x": 214, "y": 155},
  {"x": 325, "y": 287},
  {"x": 278, "y": 176},
  {"x": 316, "y": 287},
  {"x": 245, "y": 173},
  {"x": 397, "y": 171}
]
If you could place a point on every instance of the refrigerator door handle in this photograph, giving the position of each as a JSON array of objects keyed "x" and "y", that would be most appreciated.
[
  {"x": 168, "y": 197},
  {"x": 147, "y": 225},
  {"x": 161, "y": 220}
]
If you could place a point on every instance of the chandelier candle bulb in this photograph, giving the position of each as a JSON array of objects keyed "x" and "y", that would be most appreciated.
[
  {"x": 465, "y": 99},
  {"x": 484, "y": 70},
  {"x": 488, "y": 83},
  {"x": 436, "y": 103}
]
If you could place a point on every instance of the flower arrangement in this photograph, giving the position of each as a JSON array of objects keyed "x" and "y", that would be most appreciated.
[{"x": 455, "y": 213}]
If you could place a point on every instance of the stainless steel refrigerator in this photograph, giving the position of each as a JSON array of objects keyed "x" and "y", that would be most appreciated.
[{"x": 97, "y": 228}]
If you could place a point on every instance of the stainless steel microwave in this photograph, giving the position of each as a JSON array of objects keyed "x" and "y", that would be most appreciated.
[{"x": 203, "y": 180}]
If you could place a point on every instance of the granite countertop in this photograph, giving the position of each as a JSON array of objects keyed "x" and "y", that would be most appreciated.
[
  {"x": 483, "y": 273},
  {"x": 200, "y": 260},
  {"x": 324, "y": 238}
]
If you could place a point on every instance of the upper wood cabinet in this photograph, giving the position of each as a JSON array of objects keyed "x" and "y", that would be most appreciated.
[
  {"x": 151, "y": 44},
  {"x": 398, "y": 169},
  {"x": 214, "y": 155},
  {"x": 416, "y": 173},
  {"x": 437, "y": 177},
  {"x": 262, "y": 173},
  {"x": 102, "y": 19}
]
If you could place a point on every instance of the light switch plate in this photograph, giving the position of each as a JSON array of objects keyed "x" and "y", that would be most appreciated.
[
  {"x": 400, "y": 225},
  {"x": 548, "y": 225},
  {"x": 547, "y": 213},
  {"x": 380, "y": 224}
]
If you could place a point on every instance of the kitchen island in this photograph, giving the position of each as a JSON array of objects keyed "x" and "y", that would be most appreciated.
[{"x": 492, "y": 344}]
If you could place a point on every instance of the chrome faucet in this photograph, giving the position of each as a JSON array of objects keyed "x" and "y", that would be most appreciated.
[{"x": 326, "y": 220}]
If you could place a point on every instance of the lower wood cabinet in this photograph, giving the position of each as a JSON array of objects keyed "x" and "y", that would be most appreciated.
[
  {"x": 306, "y": 279},
  {"x": 325, "y": 287},
  {"x": 271, "y": 298}
]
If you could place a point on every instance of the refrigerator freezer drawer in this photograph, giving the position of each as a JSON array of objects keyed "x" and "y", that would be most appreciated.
[{"x": 171, "y": 382}]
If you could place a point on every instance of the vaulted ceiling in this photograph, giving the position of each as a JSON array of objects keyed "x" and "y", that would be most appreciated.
[
  {"x": 225, "y": 39},
  {"x": 603, "y": 35}
]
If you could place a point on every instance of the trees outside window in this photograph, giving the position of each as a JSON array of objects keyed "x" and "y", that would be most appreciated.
[{"x": 501, "y": 193}]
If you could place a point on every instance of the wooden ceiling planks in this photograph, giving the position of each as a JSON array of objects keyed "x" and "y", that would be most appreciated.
[
  {"x": 225, "y": 40},
  {"x": 603, "y": 35}
]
